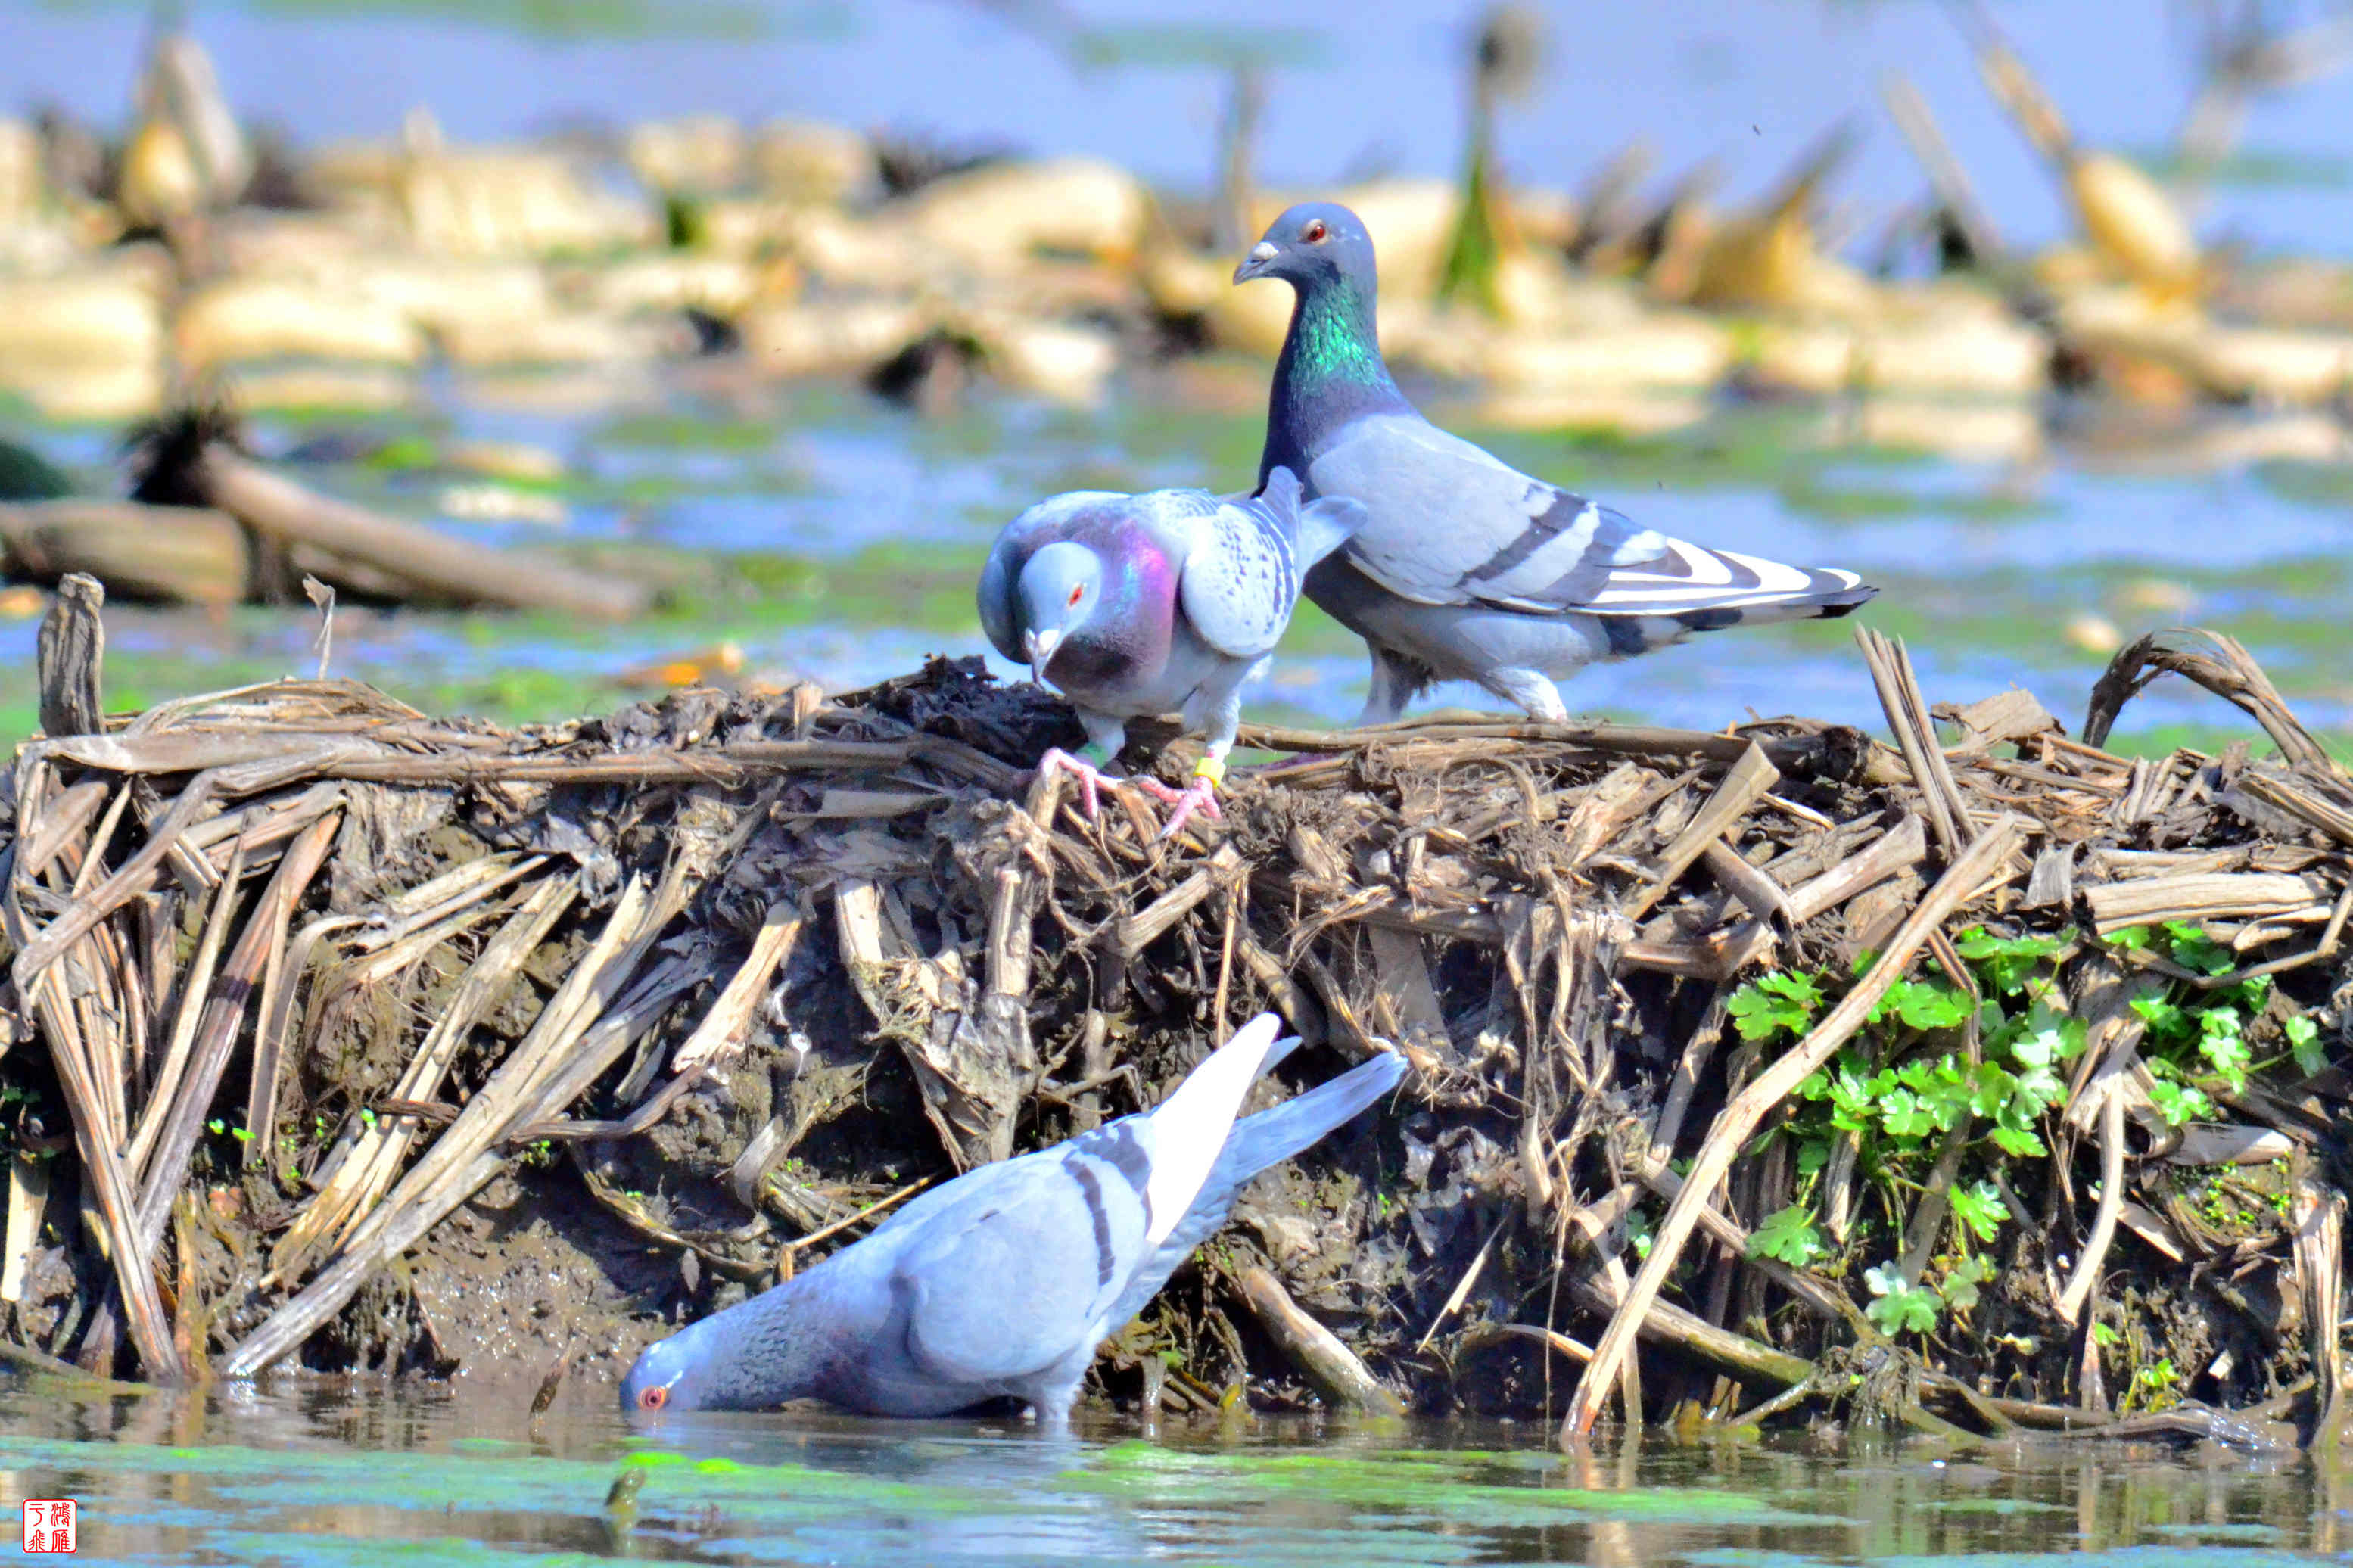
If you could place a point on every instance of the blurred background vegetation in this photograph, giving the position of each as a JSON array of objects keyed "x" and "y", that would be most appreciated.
[{"x": 2040, "y": 316}]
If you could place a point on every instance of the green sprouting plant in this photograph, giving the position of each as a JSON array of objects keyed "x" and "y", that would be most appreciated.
[
  {"x": 2004, "y": 963},
  {"x": 1959, "y": 1286},
  {"x": 2178, "y": 1102},
  {"x": 1639, "y": 1233},
  {"x": 1922, "y": 1004},
  {"x": 1789, "y": 1234},
  {"x": 1780, "y": 1002},
  {"x": 1983, "y": 1056},
  {"x": 1896, "y": 1306},
  {"x": 2196, "y": 1038},
  {"x": 1978, "y": 1209},
  {"x": 1902, "y": 1107},
  {"x": 2303, "y": 1041},
  {"x": 2154, "y": 1387}
]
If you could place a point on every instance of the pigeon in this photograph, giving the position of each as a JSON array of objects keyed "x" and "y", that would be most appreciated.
[
  {"x": 1466, "y": 569},
  {"x": 1150, "y": 604},
  {"x": 1002, "y": 1282}
]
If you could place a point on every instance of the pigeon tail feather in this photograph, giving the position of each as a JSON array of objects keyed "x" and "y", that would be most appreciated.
[
  {"x": 1190, "y": 1127},
  {"x": 1257, "y": 1143},
  {"x": 1275, "y": 1134},
  {"x": 1827, "y": 606}
]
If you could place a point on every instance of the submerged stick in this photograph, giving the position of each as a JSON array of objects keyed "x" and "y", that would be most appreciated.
[
  {"x": 192, "y": 554},
  {"x": 1747, "y": 1110}
]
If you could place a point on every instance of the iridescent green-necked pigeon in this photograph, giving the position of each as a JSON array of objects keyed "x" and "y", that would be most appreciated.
[
  {"x": 1002, "y": 1282},
  {"x": 1136, "y": 606},
  {"x": 1466, "y": 569}
]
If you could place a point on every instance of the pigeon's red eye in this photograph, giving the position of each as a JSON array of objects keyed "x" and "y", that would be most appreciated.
[
  {"x": 1076, "y": 594},
  {"x": 1314, "y": 232},
  {"x": 653, "y": 1399}
]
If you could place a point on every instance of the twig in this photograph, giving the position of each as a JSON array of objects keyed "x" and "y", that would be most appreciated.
[
  {"x": 1315, "y": 1350},
  {"x": 2086, "y": 1274},
  {"x": 721, "y": 1031},
  {"x": 70, "y": 656}
]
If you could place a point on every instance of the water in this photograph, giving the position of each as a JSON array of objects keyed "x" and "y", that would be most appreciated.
[
  {"x": 832, "y": 536},
  {"x": 465, "y": 1476}
]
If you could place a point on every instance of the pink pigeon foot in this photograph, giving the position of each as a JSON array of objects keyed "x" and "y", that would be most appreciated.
[
  {"x": 1200, "y": 797},
  {"x": 1093, "y": 781}
]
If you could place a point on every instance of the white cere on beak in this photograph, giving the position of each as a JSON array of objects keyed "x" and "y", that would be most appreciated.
[
  {"x": 1264, "y": 250},
  {"x": 1039, "y": 646}
]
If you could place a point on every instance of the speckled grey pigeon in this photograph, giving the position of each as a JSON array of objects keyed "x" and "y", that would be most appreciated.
[
  {"x": 1002, "y": 1282},
  {"x": 1466, "y": 569},
  {"x": 1136, "y": 606}
]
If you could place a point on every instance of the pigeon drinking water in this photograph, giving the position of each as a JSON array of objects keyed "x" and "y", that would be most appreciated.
[
  {"x": 1466, "y": 569},
  {"x": 1136, "y": 606},
  {"x": 1002, "y": 1282}
]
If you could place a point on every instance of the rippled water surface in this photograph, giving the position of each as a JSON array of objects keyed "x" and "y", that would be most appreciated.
[{"x": 469, "y": 1477}]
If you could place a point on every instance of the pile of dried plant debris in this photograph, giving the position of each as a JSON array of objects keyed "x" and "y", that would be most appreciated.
[{"x": 1981, "y": 1082}]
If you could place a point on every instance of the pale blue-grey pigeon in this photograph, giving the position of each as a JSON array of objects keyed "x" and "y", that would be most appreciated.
[
  {"x": 1466, "y": 569},
  {"x": 1160, "y": 602},
  {"x": 1002, "y": 1282}
]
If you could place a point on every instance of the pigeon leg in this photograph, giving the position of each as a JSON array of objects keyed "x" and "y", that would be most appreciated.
[
  {"x": 1198, "y": 798},
  {"x": 1531, "y": 691},
  {"x": 1394, "y": 682}
]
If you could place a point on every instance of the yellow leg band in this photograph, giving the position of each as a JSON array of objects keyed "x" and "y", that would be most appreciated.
[{"x": 1212, "y": 769}]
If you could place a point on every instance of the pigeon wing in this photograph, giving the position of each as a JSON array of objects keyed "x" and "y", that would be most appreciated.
[
  {"x": 1013, "y": 1276},
  {"x": 1452, "y": 524},
  {"x": 1240, "y": 579},
  {"x": 1021, "y": 1269}
]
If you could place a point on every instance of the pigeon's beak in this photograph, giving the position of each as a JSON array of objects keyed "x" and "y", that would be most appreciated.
[
  {"x": 1040, "y": 647},
  {"x": 1255, "y": 264}
]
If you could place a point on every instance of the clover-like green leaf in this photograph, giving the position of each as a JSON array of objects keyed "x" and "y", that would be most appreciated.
[
  {"x": 1959, "y": 1286},
  {"x": 1898, "y": 1306},
  {"x": 2193, "y": 949},
  {"x": 2006, "y": 963},
  {"x": 1979, "y": 1207},
  {"x": 1923, "y": 1004},
  {"x": 1774, "y": 1004},
  {"x": 1789, "y": 1234},
  {"x": 2303, "y": 1039}
]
